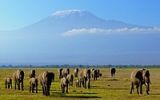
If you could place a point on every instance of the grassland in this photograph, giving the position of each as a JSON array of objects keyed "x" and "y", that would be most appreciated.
[{"x": 116, "y": 88}]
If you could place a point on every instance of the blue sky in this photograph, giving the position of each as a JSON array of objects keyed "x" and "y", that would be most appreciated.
[{"x": 19, "y": 13}]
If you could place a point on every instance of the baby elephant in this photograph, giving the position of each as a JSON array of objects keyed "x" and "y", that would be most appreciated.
[
  {"x": 64, "y": 85},
  {"x": 33, "y": 82},
  {"x": 8, "y": 83},
  {"x": 70, "y": 78}
]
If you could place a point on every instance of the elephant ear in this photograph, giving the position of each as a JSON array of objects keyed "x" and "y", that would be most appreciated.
[
  {"x": 147, "y": 74},
  {"x": 139, "y": 75}
]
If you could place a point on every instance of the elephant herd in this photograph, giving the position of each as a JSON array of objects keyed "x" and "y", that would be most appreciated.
[
  {"x": 80, "y": 77},
  {"x": 83, "y": 77}
]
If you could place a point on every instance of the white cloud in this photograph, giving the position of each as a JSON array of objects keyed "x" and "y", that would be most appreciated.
[{"x": 136, "y": 30}]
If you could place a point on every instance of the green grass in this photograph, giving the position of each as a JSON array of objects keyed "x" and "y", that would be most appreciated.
[{"x": 116, "y": 88}]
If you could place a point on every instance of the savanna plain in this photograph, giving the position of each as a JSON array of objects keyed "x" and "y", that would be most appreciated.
[{"x": 105, "y": 88}]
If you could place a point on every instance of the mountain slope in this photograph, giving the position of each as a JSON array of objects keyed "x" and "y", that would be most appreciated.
[
  {"x": 62, "y": 21},
  {"x": 89, "y": 40}
]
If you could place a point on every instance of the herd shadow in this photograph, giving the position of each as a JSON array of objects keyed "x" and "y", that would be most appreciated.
[{"x": 76, "y": 95}]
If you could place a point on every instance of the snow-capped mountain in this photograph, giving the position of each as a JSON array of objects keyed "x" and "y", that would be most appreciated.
[
  {"x": 80, "y": 37},
  {"x": 62, "y": 21}
]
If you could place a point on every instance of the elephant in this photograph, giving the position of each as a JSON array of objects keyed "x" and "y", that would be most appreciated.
[
  {"x": 32, "y": 74},
  {"x": 138, "y": 78},
  {"x": 33, "y": 82},
  {"x": 96, "y": 74},
  {"x": 70, "y": 78},
  {"x": 45, "y": 80},
  {"x": 8, "y": 82},
  {"x": 81, "y": 78},
  {"x": 64, "y": 85},
  {"x": 60, "y": 73},
  {"x": 113, "y": 72},
  {"x": 18, "y": 78},
  {"x": 147, "y": 81},
  {"x": 76, "y": 70},
  {"x": 84, "y": 78}
]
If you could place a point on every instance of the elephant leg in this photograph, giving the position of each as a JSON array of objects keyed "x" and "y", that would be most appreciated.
[
  {"x": 140, "y": 88},
  {"x": 18, "y": 85},
  {"x": 8, "y": 85},
  {"x": 36, "y": 89},
  {"x": 132, "y": 88},
  {"x": 43, "y": 90},
  {"x": 67, "y": 88},
  {"x": 85, "y": 82},
  {"x": 32, "y": 88},
  {"x": 147, "y": 88},
  {"x": 80, "y": 83},
  {"x": 137, "y": 86},
  {"x": 22, "y": 86},
  {"x": 48, "y": 90},
  {"x": 89, "y": 84},
  {"x": 62, "y": 87},
  {"x": 15, "y": 85},
  {"x": 11, "y": 85}
]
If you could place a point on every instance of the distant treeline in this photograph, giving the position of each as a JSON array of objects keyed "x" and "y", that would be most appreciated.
[{"x": 80, "y": 66}]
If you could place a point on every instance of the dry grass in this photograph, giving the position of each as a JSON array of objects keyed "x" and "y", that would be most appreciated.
[{"x": 116, "y": 88}]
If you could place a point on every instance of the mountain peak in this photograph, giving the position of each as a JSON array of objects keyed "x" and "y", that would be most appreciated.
[{"x": 69, "y": 12}]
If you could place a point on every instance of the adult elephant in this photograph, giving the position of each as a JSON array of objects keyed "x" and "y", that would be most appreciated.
[
  {"x": 113, "y": 72},
  {"x": 45, "y": 80},
  {"x": 87, "y": 74},
  {"x": 84, "y": 78},
  {"x": 18, "y": 77},
  {"x": 138, "y": 78}
]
